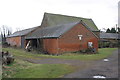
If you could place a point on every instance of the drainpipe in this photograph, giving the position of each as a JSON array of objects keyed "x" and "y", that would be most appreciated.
[{"x": 57, "y": 47}]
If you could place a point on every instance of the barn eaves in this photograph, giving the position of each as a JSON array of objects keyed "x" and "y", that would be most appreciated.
[{"x": 22, "y": 32}]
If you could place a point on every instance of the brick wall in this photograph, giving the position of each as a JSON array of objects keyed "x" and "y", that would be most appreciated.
[
  {"x": 14, "y": 41},
  {"x": 50, "y": 45},
  {"x": 70, "y": 40}
]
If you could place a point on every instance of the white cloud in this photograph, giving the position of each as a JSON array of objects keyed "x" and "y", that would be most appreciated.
[{"x": 29, "y": 13}]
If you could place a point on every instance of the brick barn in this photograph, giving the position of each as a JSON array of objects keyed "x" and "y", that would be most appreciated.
[
  {"x": 61, "y": 33},
  {"x": 64, "y": 38},
  {"x": 18, "y": 38}
]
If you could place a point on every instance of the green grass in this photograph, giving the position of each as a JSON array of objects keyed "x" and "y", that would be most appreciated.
[
  {"x": 102, "y": 53},
  {"x": 23, "y": 69},
  {"x": 21, "y": 53}
]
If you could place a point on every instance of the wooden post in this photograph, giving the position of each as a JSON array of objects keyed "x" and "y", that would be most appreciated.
[{"x": 38, "y": 44}]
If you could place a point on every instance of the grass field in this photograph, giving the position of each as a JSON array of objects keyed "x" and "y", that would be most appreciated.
[
  {"x": 23, "y": 69},
  {"x": 102, "y": 53}
]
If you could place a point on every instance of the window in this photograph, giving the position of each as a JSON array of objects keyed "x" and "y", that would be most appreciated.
[
  {"x": 80, "y": 37},
  {"x": 90, "y": 44}
]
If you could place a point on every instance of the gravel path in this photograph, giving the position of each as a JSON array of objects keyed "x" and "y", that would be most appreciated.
[{"x": 108, "y": 69}]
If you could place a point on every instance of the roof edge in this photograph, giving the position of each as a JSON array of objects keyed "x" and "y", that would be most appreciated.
[
  {"x": 65, "y": 15},
  {"x": 88, "y": 28}
]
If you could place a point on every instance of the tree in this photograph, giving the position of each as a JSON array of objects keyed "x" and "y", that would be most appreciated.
[
  {"x": 1, "y": 37},
  {"x": 9, "y": 32},
  {"x": 113, "y": 30},
  {"x": 108, "y": 31},
  {"x": 118, "y": 30},
  {"x": 5, "y": 31},
  {"x": 19, "y": 29}
]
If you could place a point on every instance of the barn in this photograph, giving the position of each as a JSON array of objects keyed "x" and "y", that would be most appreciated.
[
  {"x": 108, "y": 40},
  {"x": 68, "y": 37},
  {"x": 18, "y": 38},
  {"x": 50, "y": 20},
  {"x": 58, "y": 33}
]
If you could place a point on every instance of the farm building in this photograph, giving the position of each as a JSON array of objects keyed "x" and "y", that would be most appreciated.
[
  {"x": 64, "y": 38},
  {"x": 18, "y": 38},
  {"x": 50, "y": 20},
  {"x": 109, "y": 39},
  {"x": 61, "y": 33}
]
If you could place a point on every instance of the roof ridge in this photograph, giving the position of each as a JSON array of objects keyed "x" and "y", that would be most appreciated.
[{"x": 67, "y": 16}]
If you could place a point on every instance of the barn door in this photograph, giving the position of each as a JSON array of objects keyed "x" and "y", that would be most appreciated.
[{"x": 40, "y": 44}]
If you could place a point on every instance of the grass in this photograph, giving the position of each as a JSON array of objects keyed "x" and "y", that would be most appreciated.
[
  {"x": 23, "y": 69},
  {"x": 102, "y": 53},
  {"x": 21, "y": 53}
]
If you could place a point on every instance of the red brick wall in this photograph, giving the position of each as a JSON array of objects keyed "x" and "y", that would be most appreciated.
[
  {"x": 50, "y": 45},
  {"x": 14, "y": 41},
  {"x": 70, "y": 41}
]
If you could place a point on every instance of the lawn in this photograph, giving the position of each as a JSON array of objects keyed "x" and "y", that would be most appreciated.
[
  {"x": 24, "y": 69},
  {"x": 102, "y": 53}
]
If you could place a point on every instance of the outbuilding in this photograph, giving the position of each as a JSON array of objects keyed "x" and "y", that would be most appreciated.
[
  {"x": 17, "y": 39},
  {"x": 69, "y": 37},
  {"x": 57, "y": 34},
  {"x": 109, "y": 40}
]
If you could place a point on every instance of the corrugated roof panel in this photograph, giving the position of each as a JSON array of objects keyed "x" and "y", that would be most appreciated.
[
  {"x": 51, "y": 31},
  {"x": 109, "y": 36},
  {"x": 22, "y": 32}
]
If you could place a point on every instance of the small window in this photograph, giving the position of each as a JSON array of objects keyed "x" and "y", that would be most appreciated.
[
  {"x": 90, "y": 44},
  {"x": 80, "y": 37}
]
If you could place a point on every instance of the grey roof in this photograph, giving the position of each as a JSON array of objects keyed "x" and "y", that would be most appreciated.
[
  {"x": 22, "y": 32},
  {"x": 49, "y": 32},
  {"x": 109, "y": 36},
  {"x": 53, "y": 32},
  {"x": 57, "y": 19}
]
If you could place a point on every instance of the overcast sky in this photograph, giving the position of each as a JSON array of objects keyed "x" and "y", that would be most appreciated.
[{"x": 29, "y": 13}]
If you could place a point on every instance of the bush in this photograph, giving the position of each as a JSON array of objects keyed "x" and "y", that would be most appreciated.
[
  {"x": 88, "y": 50},
  {"x": 5, "y": 44},
  {"x": 7, "y": 58}
]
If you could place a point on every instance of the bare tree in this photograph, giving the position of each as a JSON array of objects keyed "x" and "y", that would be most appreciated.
[
  {"x": 19, "y": 29},
  {"x": 5, "y": 31}
]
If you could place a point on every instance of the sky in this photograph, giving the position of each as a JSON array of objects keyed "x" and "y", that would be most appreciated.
[
  {"x": 23, "y": 14},
  {"x": 119, "y": 14}
]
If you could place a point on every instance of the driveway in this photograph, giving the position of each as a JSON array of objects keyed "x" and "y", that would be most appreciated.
[
  {"x": 108, "y": 69},
  {"x": 85, "y": 69}
]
